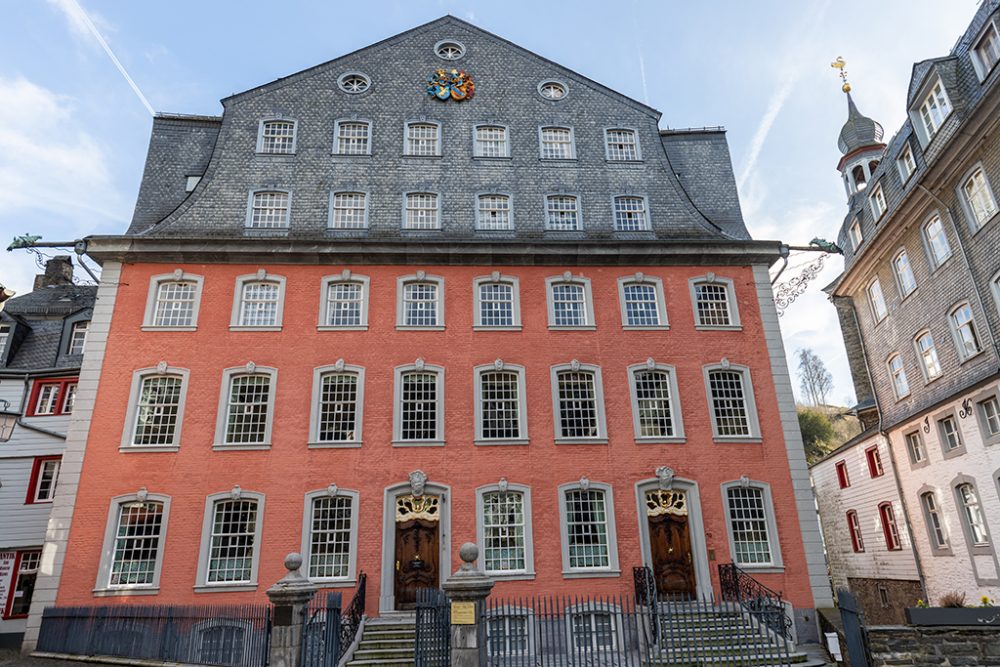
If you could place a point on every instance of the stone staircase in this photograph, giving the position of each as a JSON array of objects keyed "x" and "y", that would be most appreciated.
[{"x": 387, "y": 641}]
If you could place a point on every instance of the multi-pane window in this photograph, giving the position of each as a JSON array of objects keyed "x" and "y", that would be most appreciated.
[
  {"x": 419, "y": 405},
  {"x": 990, "y": 412},
  {"x": 421, "y": 211},
  {"x": 175, "y": 303},
  {"x": 915, "y": 447},
  {"x": 906, "y": 164},
  {"x": 500, "y": 396},
  {"x": 24, "y": 584},
  {"x": 937, "y": 241},
  {"x": 349, "y": 210},
  {"x": 55, "y": 397},
  {"x": 507, "y": 634},
  {"x": 712, "y": 304},
  {"x": 344, "y": 304},
  {"x": 843, "y": 479},
  {"x": 353, "y": 138},
  {"x": 877, "y": 201},
  {"x": 897, "y": 372},
  {"x": 331, "y": 522},
  {"x": 420, "y": 304},
  {"x": 557, "y": 143},
  {"x": 928, "y": 355},
  {"x": 552, "y": 90},
  {"x": 157, "y": 410},
  {"x": 653, "y": 402},
  {"x": 247, "y": 409},
  {"x": 493, "y": 213},
  {"x": 730, "y": 410},
  {"x": 987, "y": 50},
  {"x": 338, "y": 407},
  {"x": 259, "y": 304},
  {"x": 69, "y": 398},
  {"x": 642, "y": 307},
  {"x": 277, "y": 136},
  {"x": 934, "y": 109},
  {"x": 979, "y": 197},
  {"x": 496, "y": 304},
  {"x": 935, "y": 525},
  {"x": 78, "y": 336},
  {"x": 748, "y": 522},
  {"x": 972, "y": 514},
  {"x": 269, "y": 210},
  {"x": 46, "y": 475},
  {"x": 951, "y": 439},
  {"x": 577, "y": 404},
  {"x": 504, "y": 541},
  {"x": 422, "y": 139},
  {"x": 856, "y": 237},
  {"x": 136, "y": 543},
  {"x": 4, "y": 335},
  {"x": 594, "y": 631},
  {"x": 889, "y": 528},
  {"x": 569, "y": 305},
  {"x": 904, "y": 274},
  {"x": 233, "y": 541},
  {"x": 877, "y": 301},
  {"x": 874, "y": 459},
  {"x": 222, "y": 644},
  {"x": 965, "y": 331},
  {"x": 630, "y": 214},
  {"x": 562, "y": 213},
  {"x": 491, "y": 141},
  {"x": 621, "y": 144},
  {"x": 587, "y": 529},
  {"x": 854, "y": 526}
]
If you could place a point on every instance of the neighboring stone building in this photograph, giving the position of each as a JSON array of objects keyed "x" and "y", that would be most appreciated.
[
  {"x": 41, "y": 344},
  {"x": 918, "y": 304},
  {"x": 354, "y": 319}
]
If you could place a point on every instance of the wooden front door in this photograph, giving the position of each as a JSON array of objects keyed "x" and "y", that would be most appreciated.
[
  {"x": 670, "y": 544},
  {"x": 418, "y": 551}
]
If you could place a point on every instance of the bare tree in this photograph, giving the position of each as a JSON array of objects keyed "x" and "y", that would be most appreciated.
[{"x": 816, "y": 381}]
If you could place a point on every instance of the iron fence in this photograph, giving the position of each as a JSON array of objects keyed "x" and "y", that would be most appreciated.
[
  {"x": 321, "y": 631},
  {"x": 756, "y": 599},
  {"x": 229, "y": 635},
  {"x": 432, "y": 646}
]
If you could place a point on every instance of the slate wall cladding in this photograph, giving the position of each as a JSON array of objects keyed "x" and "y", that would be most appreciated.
[{"x": 928, "y": 646}]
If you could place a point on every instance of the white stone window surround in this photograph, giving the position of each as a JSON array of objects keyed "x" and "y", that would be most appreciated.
[
  {"x": 522, "y": 403},
  {"x": 995, "y": 288},
  {"x": 437, "y": 215},
  {"x": 331, "y": 210},
  {"x": 307, "y": 514},
  {"x": 613, "y": 569},
  {"x": 335, "y": 149},
  {"x": 857, "y": 238},
  {"x": 965, "y": 355},
  {"x": 902, "y": 271},
  {"x": 911, "y": 436},
  {"x": 942, "y": 524},
  {"x": 571, "y": 146},
  {"x": 507, "y": 613},
  {"x": 647, "y": 226},
  {"x": 924, "y": 361},
  {"x": 675, "y": 403},
  {"x": 261, "y": 276},
  {"x": 602, "y": 423},
  {"x": 928, "y": 104},
  {"x": 496, "y": 278},
  {"x": 480, "y": 223},
  {"x": 476, "y": 143},
  {"x": 943, "y": 245},
  {"x": 877, "y": 202},
  {"x": 661, "y": 301},
  {"x": 103, "y": 588},
  {"x": 345, "y": 276},
  {"x": 774, "y": 541},
  {"x": 354, "y": 82},
  {"x": 557, "y": 83},
  {"x": 903, "y": 391},
  {"x": 938, "y": 420},
  {"x": 748, "y": 395},
  {"x": 734, "y": 310},
  {"x": 222, "y": 416},
  {"x": 588, "y": 611},
  {"x": 905, "y": 163},
  {"x": 132, "y": 412},
  {"x": 178, "y": 276},
  {"x": 567, "y": 278},
  {"x": 315, "y": 413},
  {"x": 991, "y": 392},
  {"x": 635, "y": 136},
  {"x": 276, "y": 118},
  {"x": 218, "y": 637},
  {"x": 202, "y": 585},
  {"x": 439, "y": 141},
  {"x": 450, "y": 50},
  {"x": 972, "y": 219},
  {"x": 529, "y": 558},
  {"x": 418, "y": 277},
  {"x": 876, "y": 300},
  {"x": 549, "y": 197},
  {"x": 397, "y": 399},
  {"x": 983, "y": 546},
  {"x": 989, "y": 33},
  {"x": 264, "y": 190}
]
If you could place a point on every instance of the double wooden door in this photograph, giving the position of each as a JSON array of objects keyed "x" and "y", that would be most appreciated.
[
  {"x": 673, "y": 563},
  {"x": 417, "y": 560}
]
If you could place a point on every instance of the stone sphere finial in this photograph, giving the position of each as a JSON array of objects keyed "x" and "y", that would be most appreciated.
[
  {"x": 469, "y": 552},
  {"x": 293, "y": 561}
]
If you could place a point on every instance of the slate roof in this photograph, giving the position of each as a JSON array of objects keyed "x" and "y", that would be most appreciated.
[
  {"x": 38, "y": 322},
  {"x": 858, "y": 131}
]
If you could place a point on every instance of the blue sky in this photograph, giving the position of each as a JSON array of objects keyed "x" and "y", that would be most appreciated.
[{"x": 73, "y": 134}]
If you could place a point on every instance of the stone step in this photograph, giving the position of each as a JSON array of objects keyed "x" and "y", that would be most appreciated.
[
  {"x": 408, "y": 635},
  {"x": 404, "y": 653},
  {"x": 381, "y": 663},
  {"x": 375, "y": 644}
]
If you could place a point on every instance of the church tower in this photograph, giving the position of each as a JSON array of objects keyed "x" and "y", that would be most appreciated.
[{"x": 860, "y": 142}]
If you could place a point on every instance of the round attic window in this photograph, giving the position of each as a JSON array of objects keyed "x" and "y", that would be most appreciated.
[
  {"x": 354, "y": 82},
  {"x": 449, "y": 49},
  {"x": 552, "y": 90}
]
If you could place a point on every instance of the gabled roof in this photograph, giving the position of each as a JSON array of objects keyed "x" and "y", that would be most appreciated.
[
  {"x": 919, "y": 75},
  {"x": 36, "y": 342}
]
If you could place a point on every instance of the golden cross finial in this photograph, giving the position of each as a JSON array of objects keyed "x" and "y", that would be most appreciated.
[{"x": 840, "y": 64}]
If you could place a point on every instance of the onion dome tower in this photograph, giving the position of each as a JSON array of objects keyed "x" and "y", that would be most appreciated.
[{"x": 860, "y": 142}]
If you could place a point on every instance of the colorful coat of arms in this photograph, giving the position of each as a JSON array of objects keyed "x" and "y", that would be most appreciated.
[{"x": 452, "y": 84}]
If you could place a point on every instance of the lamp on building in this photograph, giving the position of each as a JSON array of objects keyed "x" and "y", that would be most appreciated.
[{"x": 7, "y": 420}]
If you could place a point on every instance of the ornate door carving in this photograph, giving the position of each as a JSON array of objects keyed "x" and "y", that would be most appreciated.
[
  {"x": 417, "y": 547},
  {"x": 670, "y": 542}
]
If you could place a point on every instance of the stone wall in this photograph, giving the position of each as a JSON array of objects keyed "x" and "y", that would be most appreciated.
[
  {"x": 899, "y": 594},
  {"x": 937, "y": 646}
]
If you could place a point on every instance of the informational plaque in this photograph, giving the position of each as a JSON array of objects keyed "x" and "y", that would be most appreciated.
[
  {"x": 463, "y": 613},
  {"x": 6, "y": 575}
]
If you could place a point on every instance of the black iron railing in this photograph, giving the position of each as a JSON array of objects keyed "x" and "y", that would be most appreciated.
[
  {"x": 755, "y": 598},
  {"x": 647, "y": 596},
  {"x": 432, "y": 647},
  {"x": 351, "y": 618}
]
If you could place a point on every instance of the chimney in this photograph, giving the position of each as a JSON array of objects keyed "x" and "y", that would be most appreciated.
[{"x": 58, "y": 271}]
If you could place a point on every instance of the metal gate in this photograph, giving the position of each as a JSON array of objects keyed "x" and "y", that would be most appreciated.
[
  {"x": 433, "y": 635},
  {"x": 854, "y": 629},
  {"x": 321, "y": 632}
]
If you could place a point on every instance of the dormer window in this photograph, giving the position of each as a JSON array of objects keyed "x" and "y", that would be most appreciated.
[
  {"x": 905, "y": 163},
  {"x": 268, "y": 209},
  {"x": 78, "y": 337},
  {"x": 986, "y": 52},
  {"x": 934, "y": 109},
  {"x": 276, "y": 137},
  {"x": 4, "y": 335},
  {"x": 856, "y": 237},
  {"x": 877, "y": 202}
]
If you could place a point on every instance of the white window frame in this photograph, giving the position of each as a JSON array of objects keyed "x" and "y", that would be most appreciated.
[
  {"x": 776, "y": 564},
  {"x": 905, "y": 163},
  {"x": 74, "y": 329},
  {"x": 248, "y": 224},
  {"x": 351, "y": 121},
  {"x": 529, "y": 560},
  {"x": 103, "y": 586},
  {"x": 675, "y": 403},
  {"x": 734, "y": 309},
  {"x": 579, "y": 212},
  {"x": 748, "y": 395},
  {"x": 975, "y": 224},
  {"x": 613, "y": 569},
  {"x": 478, "y": 209},
  {"x": 476, "y": 144},
  {"x": 496, "y": 277},
  {"x": 983, "y": 68},
  {"x": 261, "y": 276},
  {"x": 351, "y": 578},
  {"x": 916, "y": 448},
  {"x": 981, "y": 417},
  {"x": 903, "y": 292},
  {"x": 873, "y": 305},
  {"x": 602, "y": 422},
  {"x": 419, "y": 277},
  {"x": 981, "y": 547},
  {"x": 994, "y": 287},
  {"x": 397, "y": 400},
  {"x": 178, "y": 276},
  {"x": 222, "y": 415},
  {"x": 572, "y": 142},
  {"x": 315, "y": 414},
  {"x": 893, "y": 376},
  {"x": 346, "y": 276},
  {"x": 568, "y": 278},
  {"x": 589, "y": 610},
  {"x": 877, "y": 203},
  {"x": 331, "y": 210},
  {"x": 437, "y": 213},
  {"x": 276, "y": 119},
  {"x": 661, "y": 302},
  {"x": 857, "y": 238},
  {"x": 646, "y": 226},
  {"x": 39, "y": 464},
  {"x": 948, "y": 452},
  {"x": 607, "y": 144},
  {"x": 406, "y": 138},
  {"x": 932, "y": 258},
  {"x": 522, "y": 403},
  {"x": 506, "y": 614},
  {"x": 922, "y": 358},
  {"x": 929, "y": 93},
  {"x": 936, "y": 529},
  {"x": 132, "y": 413},
  {"x": 963, "y": 354},
  {"x": 204, "y": 551}
]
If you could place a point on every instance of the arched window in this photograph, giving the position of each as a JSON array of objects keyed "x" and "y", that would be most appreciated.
[
  {"x": 631, "y": 214},
  {"x": 490, "y": 141},
  {"x": 246, "y": 414},
  {"x": 418, "y": 410},
  {"x": 276, "y": 136},
  {"x": 905, "y": 280},
  {"x": 230, "y": 542},
  {"x": 556, "y": 143},
  {"x": 939, "y": 250},
  {"x": 714, "y": 302},
  {"x": 258, "y": 302},
  {"x": 497, "y": 302},
  {"x": 338, "y": 406},
  {"x": 562, "y": 213},
  {"x": 423, "y": 139},
  {"x": 173, "y": 301},
  {"x": 421, "y": 211},
  {"x": 570, "y": 302},
  {"x": 578, "y": 403},
  {"x": 927, "y": 353},
  {"x": 621, "y": 144},
  {"x": 656, "y": 411},
  {"x": 352, "y": 137},
  {"x": 420, "y": 302},
  {"x": 731, "y": 402},
  {"x": 348, "y": 210},
  {"x": 587, "y": 520},
  {"x": 935, "y": 524},
  {"x": 889, "y": 528},
  {"x": 330, "y": 535},
  {"x": 269, "y": 209},
  {"x": 156, "y": 409},
  {"x": 972, "y": 514},
  {"x": 345, "y": 302},
  {"x": 964, "y": 329},
  {"x": 753, "y": 533},
  {"x": 897, "y": 373},
  {"x": 504, "y": 530},
  {"x": 493, "y": 212}
]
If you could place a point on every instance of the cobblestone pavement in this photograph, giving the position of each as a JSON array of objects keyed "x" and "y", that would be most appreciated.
[{"x": 11, "y": 657}]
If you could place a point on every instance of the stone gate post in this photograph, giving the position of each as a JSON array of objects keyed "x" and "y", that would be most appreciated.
[
  {"x": 289, "y": 595},
  {"x": 466, "y": 589}
]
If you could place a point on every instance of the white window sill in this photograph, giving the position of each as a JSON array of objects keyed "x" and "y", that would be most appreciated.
[
  {"x": 557, "y": 160},
  {"x": 410, "y": 327},
  {"x": 483, "y": 327},
  {"x": 581, "y": 441},
  {"x": 242, "y": 328},
  {"x": 595, "y": 574},
  {"x": 124, "y": 592},
  {"x": 511, "y": 576},
  {"x": 491, "y": 158},
  {"x": 673, "y": 440},
  {"x": 646, "y": 327},
  {"x": 328, "y": 327},
  {"x": 152, "y": 327},
  {"x": 722, "y": 440},
  {"x": 762, "y": 569},
  {"x": 338, "y": 444},
  {"x": 501, "y": 442},
  {"x": 138, "y": 449},
  {"x": 272, "y": 155},
  {"x": 225, "y": 588},
  {"x": 418, "y": 443},
  {"x": 219, "y": 447},
  {"x": 342, "y": 156},
  {"x": 718, "y": 327},
  {"x": 581, "y": 327},
  {"x": 637, "y": 161},
  {"x": 422, "y": 157},
  {"x": 333, "y": 583},
  {"x": 969, "y": 358}
]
